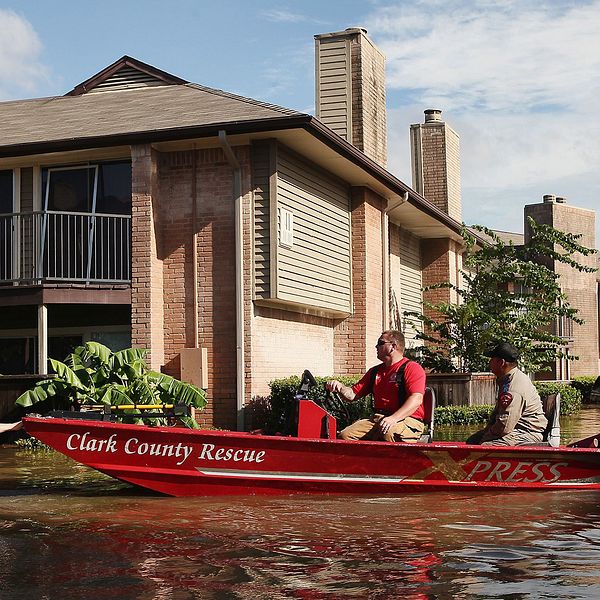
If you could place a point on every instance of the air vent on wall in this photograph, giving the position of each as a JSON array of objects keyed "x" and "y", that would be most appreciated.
[
  {"x": 126, "y": 78},
  {"x": 286, "y": 227}
]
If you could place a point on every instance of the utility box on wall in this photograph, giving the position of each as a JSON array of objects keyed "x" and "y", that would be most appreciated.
[{"x": 194, "y": 366}]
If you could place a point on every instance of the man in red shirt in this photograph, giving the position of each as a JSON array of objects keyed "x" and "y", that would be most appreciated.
[{"x": 398, "y": 412}]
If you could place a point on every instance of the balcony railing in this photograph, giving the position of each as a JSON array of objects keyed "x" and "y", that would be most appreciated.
[{"x": 64, "y": 246}]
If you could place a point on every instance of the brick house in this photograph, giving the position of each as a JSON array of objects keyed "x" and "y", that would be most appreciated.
[{"x": 236, "y": 240}]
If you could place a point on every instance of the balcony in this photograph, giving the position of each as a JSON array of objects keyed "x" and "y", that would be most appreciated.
[{"x": 57, "y": 246}]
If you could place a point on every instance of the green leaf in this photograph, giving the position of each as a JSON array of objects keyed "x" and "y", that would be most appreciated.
[
  {"x": 130, "y": 355},
  {"x": 178, "y": 391},
  {"x": 91, "y": 350},
  {"x": 113, "y": 394},
  {"x": 66, "y": 374}
]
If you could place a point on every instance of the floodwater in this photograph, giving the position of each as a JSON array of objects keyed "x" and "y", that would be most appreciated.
[{"x": 67, "y": 532}]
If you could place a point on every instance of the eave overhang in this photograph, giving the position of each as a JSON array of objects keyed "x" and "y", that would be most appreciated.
[{"x": 303, "y": 133}]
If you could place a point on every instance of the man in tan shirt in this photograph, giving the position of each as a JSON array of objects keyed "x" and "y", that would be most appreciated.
[{"x": 518, "y": 417}]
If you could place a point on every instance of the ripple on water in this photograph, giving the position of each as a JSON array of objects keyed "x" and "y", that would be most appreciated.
[{"x": 442, "y": 545}]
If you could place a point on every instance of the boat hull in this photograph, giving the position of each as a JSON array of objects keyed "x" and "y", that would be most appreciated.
[{"x": 185, "y": 462}]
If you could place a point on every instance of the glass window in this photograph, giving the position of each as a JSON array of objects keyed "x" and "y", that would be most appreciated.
[
  {"x": 17, "y": 356},
  {"x": 74, "y": 189},
  {"x": 70, "y": 190},
  {"x": 6, "y": 192},
  {"x": 115, "y": 340},
  {"x": 6, "y": 225},
  {"x": 114, "y": 189}
]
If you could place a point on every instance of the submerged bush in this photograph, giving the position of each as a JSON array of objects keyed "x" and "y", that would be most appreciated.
[
  {"x": 584, "y": 385},
  {"x": 570, "y": 398},
  {"x": 463, "y": 415}
]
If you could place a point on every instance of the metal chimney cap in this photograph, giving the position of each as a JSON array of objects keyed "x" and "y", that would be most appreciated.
[
  {"x": 549, "y": 198},
  {"x": 433, "y": 114},
  {"x": 356, "y": 30},
  {"x": 561, "y": 200}
]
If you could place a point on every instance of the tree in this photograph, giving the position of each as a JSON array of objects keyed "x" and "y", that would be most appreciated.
[
  {"x": 95, "y": 375},
  {"x": 508, "y": 293}
]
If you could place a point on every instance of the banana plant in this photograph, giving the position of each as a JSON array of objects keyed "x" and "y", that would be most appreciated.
[{"x": 94, "y": 375}]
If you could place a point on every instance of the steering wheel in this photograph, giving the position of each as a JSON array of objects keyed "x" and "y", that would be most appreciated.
[{"x": 333, "y": 402}]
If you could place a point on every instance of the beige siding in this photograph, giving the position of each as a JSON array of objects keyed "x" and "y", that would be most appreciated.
[
  {"x": 315, "y": 271},
  {"x": 333, "y": 72},
  {"x": 261, "y": 175},
  {"x": 405, "y": 280}
]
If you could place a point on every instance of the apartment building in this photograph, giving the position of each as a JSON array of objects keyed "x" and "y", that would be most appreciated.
[{"x": 236, "y": 240}]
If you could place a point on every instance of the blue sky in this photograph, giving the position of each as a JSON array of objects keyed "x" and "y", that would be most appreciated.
[{"x": 519, "y": 80}]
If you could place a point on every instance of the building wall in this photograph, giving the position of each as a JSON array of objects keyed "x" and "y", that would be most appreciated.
[
  {"x": 369, "y": 117},
  {"x": 312, "y": 269},
  {"x": 406, "y": 281},
  {"x": 355, "y": 336},
  {"x": 284, "y": 343},
  {"x": 581, "y": 288},
  {"x": 440, "y": 263},
  {"x": 278, "y": 342},
  {"x": 163, "y": 240}
]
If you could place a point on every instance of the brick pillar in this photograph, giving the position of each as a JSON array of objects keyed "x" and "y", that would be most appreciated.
[
  {"x": 147, "y": 318},
  {"x": 355, "y": 337},
  {"x": 440, "y": 263}
]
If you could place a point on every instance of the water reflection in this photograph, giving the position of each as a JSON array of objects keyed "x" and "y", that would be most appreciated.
[{"x": 68, "y": 532}]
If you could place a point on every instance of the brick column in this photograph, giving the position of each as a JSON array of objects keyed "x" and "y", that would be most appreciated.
[
  {"x": 354, "y": 338},
  {"x": 147, "y": 317},
  {"x": 440, "y": 262}
]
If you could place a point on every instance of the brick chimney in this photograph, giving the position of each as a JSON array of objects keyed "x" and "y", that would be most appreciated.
[
  {"x": 435, "y": 152},
  {"x": 350, "y": 90}
]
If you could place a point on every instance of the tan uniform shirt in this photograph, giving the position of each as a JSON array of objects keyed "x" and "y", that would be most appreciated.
[{"x": 518, "y": 407}]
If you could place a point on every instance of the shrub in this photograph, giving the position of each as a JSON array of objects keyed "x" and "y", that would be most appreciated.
[
  {"x": 462, "y": 415},
  {"x": 584, "y": 385},
  {"x": 284, "y": 390},
  {"x": 570, "y": 398}
]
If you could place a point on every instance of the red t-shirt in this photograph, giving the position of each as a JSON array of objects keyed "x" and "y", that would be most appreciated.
[{"x": 385, "y": 388}]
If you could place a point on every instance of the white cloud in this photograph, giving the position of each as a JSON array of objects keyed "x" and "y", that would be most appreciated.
[
  {"x": 518, "y": 81},
  {"x": 20, "y": 67},
  {"x": 282, "y": 16},
  {"x": 505, "y": 57}
]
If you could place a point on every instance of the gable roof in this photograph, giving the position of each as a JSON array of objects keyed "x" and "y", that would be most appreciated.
[
  {"x": 46, "y": 124},
  {"x": 125, "y": 73},
  {"x": 129, "y": 100}
]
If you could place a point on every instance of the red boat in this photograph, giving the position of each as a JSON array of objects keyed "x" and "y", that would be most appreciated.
[{"x": 186, "y": 462}]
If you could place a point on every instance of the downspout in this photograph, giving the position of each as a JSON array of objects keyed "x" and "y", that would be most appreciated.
[
  {"x": 195, "y": 245},
  {"x": 239, "y": 276},
  {"x": 385, "y": 244}
]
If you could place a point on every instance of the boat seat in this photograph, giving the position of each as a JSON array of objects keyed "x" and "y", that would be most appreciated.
[
  {"x": 429, "y": 417},
  {"x": 551, "y": 405}
]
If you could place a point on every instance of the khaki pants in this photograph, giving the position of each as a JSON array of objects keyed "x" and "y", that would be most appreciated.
[
  {"x": 514, "y": 438},
  {"x": 407, "y": 430}
]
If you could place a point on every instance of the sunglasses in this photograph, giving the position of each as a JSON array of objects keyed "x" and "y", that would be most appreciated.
[{"x": 383, "y": 342}]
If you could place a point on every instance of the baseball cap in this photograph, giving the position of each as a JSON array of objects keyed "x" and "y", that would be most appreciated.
[{"x": 505, "y": 351}]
